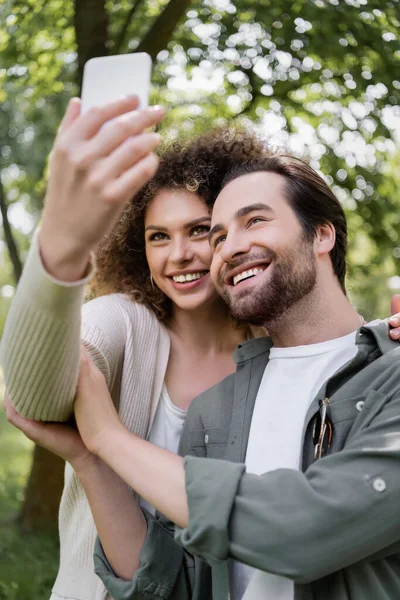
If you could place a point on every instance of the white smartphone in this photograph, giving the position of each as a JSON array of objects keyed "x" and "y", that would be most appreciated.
[{"x": 109, "y": 78}]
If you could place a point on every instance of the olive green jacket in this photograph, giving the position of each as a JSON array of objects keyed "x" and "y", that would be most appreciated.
[{"x": 333, "y": 527}]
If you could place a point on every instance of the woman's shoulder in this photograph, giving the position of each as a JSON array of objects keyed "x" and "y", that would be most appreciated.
[{"x": 120, "y": 307}]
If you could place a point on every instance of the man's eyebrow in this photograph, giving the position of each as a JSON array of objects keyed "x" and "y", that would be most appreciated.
[
  {"x": 188, "y": 225},
  {"x": 242, "y": 212}
]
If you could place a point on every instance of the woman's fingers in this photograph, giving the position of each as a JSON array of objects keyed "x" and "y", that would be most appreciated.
[
  {"x": 130, "y": 182},
  {"x": 127, "y": 155},
  {"x": 394, "y": 321},
  {"x": 117, "y": 132},
  {"x": 90, "y": 122},
  {"x": 28, "y": 427},
  {"x": 71, "y": 114}
]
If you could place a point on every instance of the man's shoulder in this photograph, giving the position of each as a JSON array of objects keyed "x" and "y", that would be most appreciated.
[
  {"x": 379, "y": 373},
  {"x": 379, "y": 331}
]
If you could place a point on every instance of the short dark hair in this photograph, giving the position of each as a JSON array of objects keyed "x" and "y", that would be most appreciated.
[{"x": 309, "y": 196}]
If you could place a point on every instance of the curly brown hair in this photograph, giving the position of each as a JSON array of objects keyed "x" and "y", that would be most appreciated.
[{"x": 199, "y": 166}]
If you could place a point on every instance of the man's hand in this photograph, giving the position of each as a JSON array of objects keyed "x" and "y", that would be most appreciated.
[
  {"x": 394, "y": 321},
  {"x": 95, "y": 413},
  {"x": 99, "y": 161},
  {"x": 59, "y": 438}
]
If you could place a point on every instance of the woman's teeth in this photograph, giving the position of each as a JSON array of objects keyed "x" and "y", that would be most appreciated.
[
  {"x": 246, "y": 275},
  {"x": 188, "y": 277}
]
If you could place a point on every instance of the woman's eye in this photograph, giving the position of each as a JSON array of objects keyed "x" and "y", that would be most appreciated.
[
  {"x": 200, "y": 230},
  {"x": 158, "y": 236}
]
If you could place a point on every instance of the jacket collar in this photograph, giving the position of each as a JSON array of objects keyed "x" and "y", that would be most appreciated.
[
  {"x": 252, "y": 348},
  {"x": 375, "y": 333},
  {"x": 379, "y": 331},
  {"x": 251, "y": 359}
]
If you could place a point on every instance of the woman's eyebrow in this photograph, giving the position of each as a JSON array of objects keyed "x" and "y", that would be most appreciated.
[
  {"x": 197, "y": 221},
  {"x": 156, "y": 228},
  {"x": 204, "y": 219}
]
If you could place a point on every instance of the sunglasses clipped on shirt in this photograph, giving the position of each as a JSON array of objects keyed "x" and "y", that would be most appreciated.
[{"x": 323, "y": 430}]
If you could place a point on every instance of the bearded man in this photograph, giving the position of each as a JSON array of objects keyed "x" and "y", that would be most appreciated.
[{"x": 304, "y": 503}]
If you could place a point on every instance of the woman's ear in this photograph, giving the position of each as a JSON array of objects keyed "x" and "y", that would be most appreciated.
[{"x": 325, "y": 239}]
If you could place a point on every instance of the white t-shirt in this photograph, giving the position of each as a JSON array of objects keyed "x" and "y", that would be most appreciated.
[
  {"x": 165, "y": 430},
  {"x": 290, "y": 382}
]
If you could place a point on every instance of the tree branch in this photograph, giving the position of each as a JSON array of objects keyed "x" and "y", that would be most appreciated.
[
  {"x": 91, "y": 24},
  {"x": 9, "y": 237},
  {"x": 160, "y": 33},
  {"x": 124, "y": 29}
]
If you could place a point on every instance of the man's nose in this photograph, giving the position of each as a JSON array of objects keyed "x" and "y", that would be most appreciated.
[{"x": 235, "y": 245}]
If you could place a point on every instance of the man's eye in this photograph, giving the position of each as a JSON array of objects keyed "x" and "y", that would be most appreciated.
[
  {"x": 255, "y": 220},
  {"x": 158, "y": 236},
  {"x": 200, "y": 230},
  {"x": 219, "y": 240}
]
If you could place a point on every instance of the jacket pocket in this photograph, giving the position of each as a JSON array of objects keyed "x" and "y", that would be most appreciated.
[
  {"x": 357, "y": 408},
  {"x": 215, "y": 440},
  {"x": 349, "y": 415},
  {"x": 368, "y": 407}
]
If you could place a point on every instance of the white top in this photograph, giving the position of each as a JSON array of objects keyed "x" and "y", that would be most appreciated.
[
  {"x": 166, "y": 430},
  {"x": 40, "y": 357},
  {"x": 290, "y": 382}
]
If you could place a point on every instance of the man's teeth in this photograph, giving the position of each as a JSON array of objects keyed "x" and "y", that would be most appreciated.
[
  {"x": 188, "y": 277},
  {"x": 246, "y": 274}
]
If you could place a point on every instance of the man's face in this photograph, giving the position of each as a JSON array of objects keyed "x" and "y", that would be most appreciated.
[{"x": 262, "y": 261}]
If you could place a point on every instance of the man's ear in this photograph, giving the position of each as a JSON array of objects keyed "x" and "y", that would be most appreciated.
[{"x": 325, "y": 238}]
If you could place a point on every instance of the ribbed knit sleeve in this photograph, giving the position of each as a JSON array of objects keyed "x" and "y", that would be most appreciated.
[{"x": 40, "y": 347}]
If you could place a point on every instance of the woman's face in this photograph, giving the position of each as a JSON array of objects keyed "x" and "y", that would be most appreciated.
[{"x": 177, "y": 223}]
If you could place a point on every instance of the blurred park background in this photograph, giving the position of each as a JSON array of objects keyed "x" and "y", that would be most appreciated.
[{"x": 320, "y": 78}]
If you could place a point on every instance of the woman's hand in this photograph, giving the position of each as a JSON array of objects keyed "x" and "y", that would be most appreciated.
[
  {"x": 394, "y": 321},
  {"x": 99, "y": 161},
  {"x": 95, "y": 413},
  {"x": 59, "y": 438}
]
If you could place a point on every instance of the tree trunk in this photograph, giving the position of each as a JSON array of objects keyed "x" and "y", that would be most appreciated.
[
  {"x": 43, "y": 492},
  {"x": 9, "y": 237},
  {"x": 160, "y": 33},
  {"x": 91, "y": 33}
]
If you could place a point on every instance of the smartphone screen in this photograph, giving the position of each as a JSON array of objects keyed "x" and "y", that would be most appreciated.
[{"x": 110, "y": 78}]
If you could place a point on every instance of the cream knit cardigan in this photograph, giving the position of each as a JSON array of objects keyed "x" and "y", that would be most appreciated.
[{"x": 40, "y": 358}]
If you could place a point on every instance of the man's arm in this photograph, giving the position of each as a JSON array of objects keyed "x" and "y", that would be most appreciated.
[
  {"x": 162, "y": 568},
  {"x": 299, "y": 525}
]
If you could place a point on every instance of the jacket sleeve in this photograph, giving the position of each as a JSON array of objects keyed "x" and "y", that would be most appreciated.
[
  {"x": 167, "y": 570},
  {"x": 40, "y": 348},
  {"x": 303, "y": 526}
]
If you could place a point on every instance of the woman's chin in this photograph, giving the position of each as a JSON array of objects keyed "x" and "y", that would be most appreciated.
[{"x": 195, "y": 302}]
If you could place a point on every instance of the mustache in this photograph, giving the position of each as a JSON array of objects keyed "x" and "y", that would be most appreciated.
[{"x": 265, "y": 256}]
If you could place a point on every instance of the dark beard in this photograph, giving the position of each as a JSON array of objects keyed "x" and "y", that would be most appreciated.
[{"x": 293, "y": 277}]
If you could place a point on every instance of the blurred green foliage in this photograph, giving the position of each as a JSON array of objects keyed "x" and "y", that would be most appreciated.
[
  {"x": 319, "y": 78},
  {"x": 28, "y": 562}
]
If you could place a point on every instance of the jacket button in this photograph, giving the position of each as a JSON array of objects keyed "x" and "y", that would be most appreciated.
[
  {"x": 206, "y": 438},
  {"x": 360, "y": 405},
  {"x": 379, "y": 484}
]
